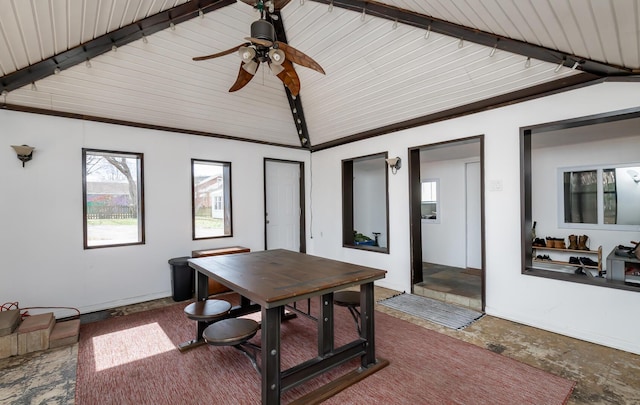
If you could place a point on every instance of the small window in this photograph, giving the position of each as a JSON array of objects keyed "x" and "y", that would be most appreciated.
[
  {"x": 601, "y": 198},
  {"x": 112, "y": 198},
  {"x": 211, "y": 189},
  {"x": 429, "y": 202}
]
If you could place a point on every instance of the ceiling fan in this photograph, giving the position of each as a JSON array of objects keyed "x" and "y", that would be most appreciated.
[{"x": 263, "y": 47}]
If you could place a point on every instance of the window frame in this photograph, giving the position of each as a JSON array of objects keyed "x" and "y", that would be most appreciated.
[
  {"x": 227, "y": 200},
  {"x": 435, "y": 220},
  {"x": 348, "y": 204},
  {"x": 526, "y": 222},
  {"x": 140, "y": 197},
  {"x": 600, "y": 224}
]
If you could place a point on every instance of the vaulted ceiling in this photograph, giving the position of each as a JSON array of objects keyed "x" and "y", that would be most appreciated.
[{"x": 389, "y": 64}]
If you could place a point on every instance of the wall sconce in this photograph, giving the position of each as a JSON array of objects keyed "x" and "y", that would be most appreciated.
[
  {"x": 25, "y": 152},
  {"x": 394, "y": 164}
]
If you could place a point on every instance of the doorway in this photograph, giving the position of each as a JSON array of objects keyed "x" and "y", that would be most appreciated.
[
  {"x": 284, "y": 216},
  {"x": 447, "y": 221}
]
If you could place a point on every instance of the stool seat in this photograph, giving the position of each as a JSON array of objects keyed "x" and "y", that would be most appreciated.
[
  {"x": 230, "y": 332},
  {"x": 208, "y": 310},
  {"x": 347, "y": 298},
  {"x": 351, "y": 300}
]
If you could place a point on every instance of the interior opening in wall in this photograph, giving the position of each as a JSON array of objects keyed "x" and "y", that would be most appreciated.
[
  {"x": 365, "y": 203},
  {"x": 578, "y": 188},
  {"x": 447, "y": 221}
]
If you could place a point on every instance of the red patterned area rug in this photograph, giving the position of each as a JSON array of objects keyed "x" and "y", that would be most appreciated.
[{"x": 133, "y": 359}]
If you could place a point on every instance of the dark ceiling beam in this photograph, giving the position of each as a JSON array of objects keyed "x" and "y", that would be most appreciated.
[
  {"x": 104, "y": 43},
  {"x": 295, "y": 103},
  {"x": 481, "y": 37},
  {"x": 94, "y": 118}
]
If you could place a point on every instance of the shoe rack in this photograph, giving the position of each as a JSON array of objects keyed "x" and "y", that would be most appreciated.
[{"x": 580, "y": 253}]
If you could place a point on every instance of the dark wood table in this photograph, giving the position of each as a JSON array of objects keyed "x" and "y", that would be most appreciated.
[{"x": 275, "y": 278}]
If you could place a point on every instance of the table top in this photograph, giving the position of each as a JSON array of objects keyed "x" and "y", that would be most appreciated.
[{"x": 273, "y": 278}]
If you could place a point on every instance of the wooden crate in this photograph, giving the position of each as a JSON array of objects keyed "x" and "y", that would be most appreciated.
[{"x": 214, "y": 286}]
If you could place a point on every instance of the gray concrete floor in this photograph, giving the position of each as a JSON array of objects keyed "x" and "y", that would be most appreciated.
[
  {"x": 603, "y": 375},
  {"x": 454, "y": 285}
]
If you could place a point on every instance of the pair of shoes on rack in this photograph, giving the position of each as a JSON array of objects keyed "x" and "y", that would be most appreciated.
[
  {"x": 588, "y": 262},
  {"x": 539, "y": 242},
  {"x": 543, "y": 257},
  {"x": 557, "y": 243},
  {"x": 574, "y": 260},
  {"x": 578, "y": 242}
]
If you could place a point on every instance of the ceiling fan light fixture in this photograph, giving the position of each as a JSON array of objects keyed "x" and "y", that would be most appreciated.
[
  {"x": 276, "y": 68},
  {"x": 250, "y": 67},
  {"x": 277, "y": 56},
  {"x": 262, "y": 29},
  {"x": 247, "y": 53}
]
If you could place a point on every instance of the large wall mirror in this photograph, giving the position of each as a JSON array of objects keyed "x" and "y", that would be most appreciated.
[{"x": 365, "y": 203}]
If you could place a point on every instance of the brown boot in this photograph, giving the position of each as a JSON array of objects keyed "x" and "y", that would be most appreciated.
[
  {"x": 551, "y": 242},
  {"x": 582, "y": 242},
  {"x": 560, "y": 244},
  {"x": 573, "y": 242}
]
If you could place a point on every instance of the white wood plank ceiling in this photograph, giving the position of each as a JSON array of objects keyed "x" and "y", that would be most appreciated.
[{"x": 379, "y": 72}]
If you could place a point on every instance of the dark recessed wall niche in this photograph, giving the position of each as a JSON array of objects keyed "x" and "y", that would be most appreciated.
[
  {"x": 365, "y": 203},
  {"x": 602, "y": 127}
]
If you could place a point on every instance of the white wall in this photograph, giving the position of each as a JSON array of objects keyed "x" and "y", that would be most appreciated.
[
  {"x": 42, "y": 261},
  {"x": 592, "y": 313}
]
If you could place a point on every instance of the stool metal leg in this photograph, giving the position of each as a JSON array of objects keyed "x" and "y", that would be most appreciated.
[
  {"x": 356, "y": 316},
  {"x": 250, "y": 350}
]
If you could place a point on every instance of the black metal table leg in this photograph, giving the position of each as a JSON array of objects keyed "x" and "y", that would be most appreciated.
[
  {"x": 368, "y": 326},
  {"x": 202, "y": 293},
  {"x": 271, "y": 386},
  {"x": 325, "y": 325}
]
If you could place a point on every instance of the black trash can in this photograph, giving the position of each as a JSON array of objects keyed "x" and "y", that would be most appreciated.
[{"x": 181, "y": 278}]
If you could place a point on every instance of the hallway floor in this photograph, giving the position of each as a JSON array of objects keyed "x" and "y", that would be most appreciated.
[
  {"x": 603, "y": 375},
  {"x": 454, "y": 285}
]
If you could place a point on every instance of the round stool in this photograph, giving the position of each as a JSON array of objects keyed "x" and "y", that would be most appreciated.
[
  {"x": 207, "y": 311},
  {"x": 230, "y": 332},
  {"x": 234, "y": 332},
  {"x": 351, "y": 300}
]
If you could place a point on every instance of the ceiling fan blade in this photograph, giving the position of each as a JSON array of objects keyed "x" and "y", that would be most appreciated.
[
  {"x": 223, "y": 53},
  {"x": 289, "y": 77},
  {"x": 258, "y": 41},
  {"x": 278, "y": 4},
  {"x": 299, "y": 57},
  {"x": 243, "y": 78}
]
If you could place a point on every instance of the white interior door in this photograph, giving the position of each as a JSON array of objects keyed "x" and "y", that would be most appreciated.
[
  {"x": 282, "y": 186},
  {"x": 474, "y": 216}
]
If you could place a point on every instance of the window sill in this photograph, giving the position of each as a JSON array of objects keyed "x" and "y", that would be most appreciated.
[
  {"x": 370, "y": 248},
  {"x": 582, "y": 279}
]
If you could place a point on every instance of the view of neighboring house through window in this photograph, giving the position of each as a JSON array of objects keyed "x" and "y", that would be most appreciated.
[
  {"x": 211, "y": 187},
  {"x": 112, "y": 198}
]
